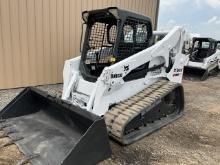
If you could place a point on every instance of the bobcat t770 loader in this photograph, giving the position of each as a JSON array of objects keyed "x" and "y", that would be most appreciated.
[{"x": 121, "y": 79}]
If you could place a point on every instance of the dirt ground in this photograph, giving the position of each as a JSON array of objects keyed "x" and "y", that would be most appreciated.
[{"x": 192, "y": 139}]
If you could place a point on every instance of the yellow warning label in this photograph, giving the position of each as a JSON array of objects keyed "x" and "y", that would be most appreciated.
[{"x": 112, "y": 59}]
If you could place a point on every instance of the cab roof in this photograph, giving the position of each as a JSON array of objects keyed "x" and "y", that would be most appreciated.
[
  {"x": 116, "y": 12},
  {"x": 204, "y": 39}
]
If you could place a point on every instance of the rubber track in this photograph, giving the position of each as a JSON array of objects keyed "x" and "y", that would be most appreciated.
[{"x": 119, "y": 116}]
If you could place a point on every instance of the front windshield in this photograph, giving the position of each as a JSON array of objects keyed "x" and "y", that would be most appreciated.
[
  {"x": 202, "y": 49},
  {"x": 201, "y": 45},
  {"x": 101, "y": 43},
  {"x": 140, "y": 36},
  {"x": 205, "y": 45}
]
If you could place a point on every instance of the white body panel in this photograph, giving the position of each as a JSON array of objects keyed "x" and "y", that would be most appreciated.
[
  {"x": 107, "y": 90},
  {"x": 160, "y": 32}
]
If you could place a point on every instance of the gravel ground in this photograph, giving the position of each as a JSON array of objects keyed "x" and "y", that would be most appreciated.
[{"x": 192, "y": 139}]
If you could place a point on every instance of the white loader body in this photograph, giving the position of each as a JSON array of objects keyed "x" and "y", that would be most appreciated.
[{"x": 110, "y": 88}]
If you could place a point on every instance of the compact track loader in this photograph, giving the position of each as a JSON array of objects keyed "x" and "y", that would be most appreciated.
[
  {"x": 122, "y": 77},
  {"x": 204, "y": 58}
]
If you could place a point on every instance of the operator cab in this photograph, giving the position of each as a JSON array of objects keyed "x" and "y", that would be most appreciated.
[
  {"x": 202, "y": 48},
  {"x": 112, "y": 35}
]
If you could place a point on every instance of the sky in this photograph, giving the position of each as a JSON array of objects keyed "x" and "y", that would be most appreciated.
[{"x": 196, "y": 16}]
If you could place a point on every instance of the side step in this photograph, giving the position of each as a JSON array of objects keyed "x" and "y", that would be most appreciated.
[
  {"x": 147, "y": 111},
  {"x": 50, "y": 131}
]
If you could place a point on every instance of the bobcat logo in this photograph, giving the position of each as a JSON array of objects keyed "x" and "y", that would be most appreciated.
[{"x": 126, "y": 68}]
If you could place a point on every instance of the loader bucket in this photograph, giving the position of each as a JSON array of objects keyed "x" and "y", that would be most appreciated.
[
  {"x": 196, "y": 74},
  {"x": 50, "y": 131}
]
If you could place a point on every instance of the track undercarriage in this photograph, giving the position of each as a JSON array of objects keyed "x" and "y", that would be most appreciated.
[{"x": 145, "y": 112}]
